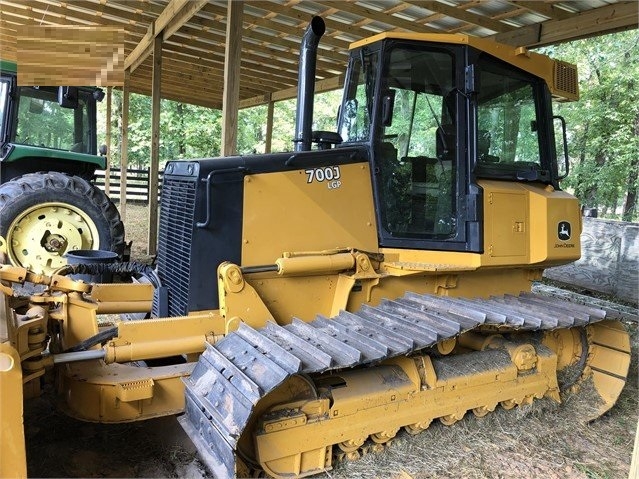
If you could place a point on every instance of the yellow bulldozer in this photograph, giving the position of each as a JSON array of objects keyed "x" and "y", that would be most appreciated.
[{"x": 309, "y": 304}]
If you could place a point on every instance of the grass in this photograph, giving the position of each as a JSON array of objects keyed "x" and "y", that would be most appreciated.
[{"x": 137, "y": 230}]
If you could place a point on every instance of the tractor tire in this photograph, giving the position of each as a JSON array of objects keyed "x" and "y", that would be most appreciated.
[{"x": 43, "y": 216}]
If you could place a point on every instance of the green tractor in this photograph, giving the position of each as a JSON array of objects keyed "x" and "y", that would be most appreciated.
[{"x": 48, "y": 158}]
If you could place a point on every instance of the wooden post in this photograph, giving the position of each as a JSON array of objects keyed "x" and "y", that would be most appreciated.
[
  {"x": 107, "y": 169},
  {"x": 232, "y": 58},
  {"x": 269, "y": 126},
  {"x": 152, "y": 240},
  {"x": 634, "y": 464},
  {"x": 125, "y": 143}
]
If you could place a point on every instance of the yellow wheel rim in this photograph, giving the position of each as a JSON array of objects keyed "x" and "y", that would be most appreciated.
[{"x": 40, "y": 236}]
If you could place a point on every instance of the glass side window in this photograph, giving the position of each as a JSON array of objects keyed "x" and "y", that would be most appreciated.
[
  {"x": 43, "y": 122},
  {"x": 416, "y": 157},
  {"x": 4, "y": 92},
  {"x": 507, "y": 138},
  {"x": 355, "y": 118}
]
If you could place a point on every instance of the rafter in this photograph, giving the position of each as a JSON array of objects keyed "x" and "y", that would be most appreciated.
[
  {"x": 463, "y": 15},
  {"x": 380, "y": 16},
  {"x": 546, "y": 9},
  {"x": 174, "y": 15},
  {"x": 615, "y": 17}
]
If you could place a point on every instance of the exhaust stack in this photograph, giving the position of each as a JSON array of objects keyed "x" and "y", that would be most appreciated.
[{"x": 306, "y": 84}]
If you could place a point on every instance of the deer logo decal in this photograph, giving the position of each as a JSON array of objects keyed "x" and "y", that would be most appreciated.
[{"x": 563, "y": 230}]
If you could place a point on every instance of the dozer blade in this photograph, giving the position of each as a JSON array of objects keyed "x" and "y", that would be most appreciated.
[
  {"x": 236, "y": 379},
  {"x": 13, "y": 460},
  {"x": 608, "y": 362}
]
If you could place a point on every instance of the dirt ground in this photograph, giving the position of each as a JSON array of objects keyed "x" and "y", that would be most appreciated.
[{"x": 544, "y": 439}]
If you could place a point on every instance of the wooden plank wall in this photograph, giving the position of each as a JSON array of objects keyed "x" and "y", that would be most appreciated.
[{"x": 609, "y": 260}]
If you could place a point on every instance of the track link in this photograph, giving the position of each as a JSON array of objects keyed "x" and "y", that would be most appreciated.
[{"x": 233, "y": 375}]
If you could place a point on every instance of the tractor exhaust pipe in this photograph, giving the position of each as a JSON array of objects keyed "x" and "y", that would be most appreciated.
[{"x": 306, "y": 84}]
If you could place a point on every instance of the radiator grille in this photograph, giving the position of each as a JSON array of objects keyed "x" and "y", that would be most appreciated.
[
  {"x": 175, "y": 240},
  {"x": 566, "y": 82}
]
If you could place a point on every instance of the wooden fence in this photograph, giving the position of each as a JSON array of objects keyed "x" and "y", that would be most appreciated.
[{"x": 137, "y": 184}]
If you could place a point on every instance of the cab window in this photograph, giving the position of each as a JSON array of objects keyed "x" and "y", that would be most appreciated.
[
  {"x": 417, "y": 155},
  {"x": 43, "y": 122},
  {"x": 357, "y": 106},
  {"x": 507, "y": 134}
]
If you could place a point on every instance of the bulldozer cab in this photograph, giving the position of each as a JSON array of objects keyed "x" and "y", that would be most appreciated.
[{"x": 438, "y": 117}]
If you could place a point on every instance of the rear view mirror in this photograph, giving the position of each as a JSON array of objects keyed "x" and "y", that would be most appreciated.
[
  {"x": 98, "y": 94},
  {"x": 388, "y": 103},
  {"x": 68, "y": 97},
  {"x": 561, "y": 147},
  {"x": 36, "y": 106}
]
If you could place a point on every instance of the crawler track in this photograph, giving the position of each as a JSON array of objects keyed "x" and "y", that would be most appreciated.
[{"x": 233, "y": 375}]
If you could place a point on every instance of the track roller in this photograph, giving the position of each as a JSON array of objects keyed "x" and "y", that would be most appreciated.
[
  {"x": 384, "y": 436},
  {"x": 376, "y": 402},
  {"x": 450, "y": 419},
  {"x": 482, "y": 411},
  {"x": 417, "y": 427}
]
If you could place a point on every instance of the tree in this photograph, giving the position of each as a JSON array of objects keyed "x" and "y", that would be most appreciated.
[
  {"x": 604, "y": 124},
  {"x": 186, "y": 131}
]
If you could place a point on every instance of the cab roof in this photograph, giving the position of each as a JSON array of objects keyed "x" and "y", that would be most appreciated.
[{"x": 561, "y": 77}]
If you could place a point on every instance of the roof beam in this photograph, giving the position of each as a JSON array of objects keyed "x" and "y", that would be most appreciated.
[
  {"x": 320, "y": 86},
  {"x": 546, "y": 9},
  {"x": 174, "y": 15},
  {"x": 286, "y": 33},
  {"x": 612, "y": 18},
  {"x": 180, "y": 95},
  {"x": 287, "y": 11},
  {"x": 380, "y": 16},
  {"x": 190, "y": 42},
  {"x": 463, "y": 15}
]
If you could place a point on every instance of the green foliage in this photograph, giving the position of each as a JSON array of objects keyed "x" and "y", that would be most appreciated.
[
  {"x": 604, "y": 124},
  {"x": 324, "y": 118},
  {"x": 189, "y": 131},
  {"x": 186, "y": 131},
  {"x": 43, "y": 122},
  {"x": 251, "y": 130}
]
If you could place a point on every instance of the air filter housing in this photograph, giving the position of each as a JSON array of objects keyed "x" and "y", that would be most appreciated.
[{"x": 565, "y": 85}]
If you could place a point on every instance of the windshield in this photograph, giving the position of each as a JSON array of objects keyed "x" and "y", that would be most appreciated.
[
  {"x": 355, "y": 118},
  {"x": 507, "y": 137},
  {"x": 42, "y": 122},
  {"x": 417, "y": 154}
]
